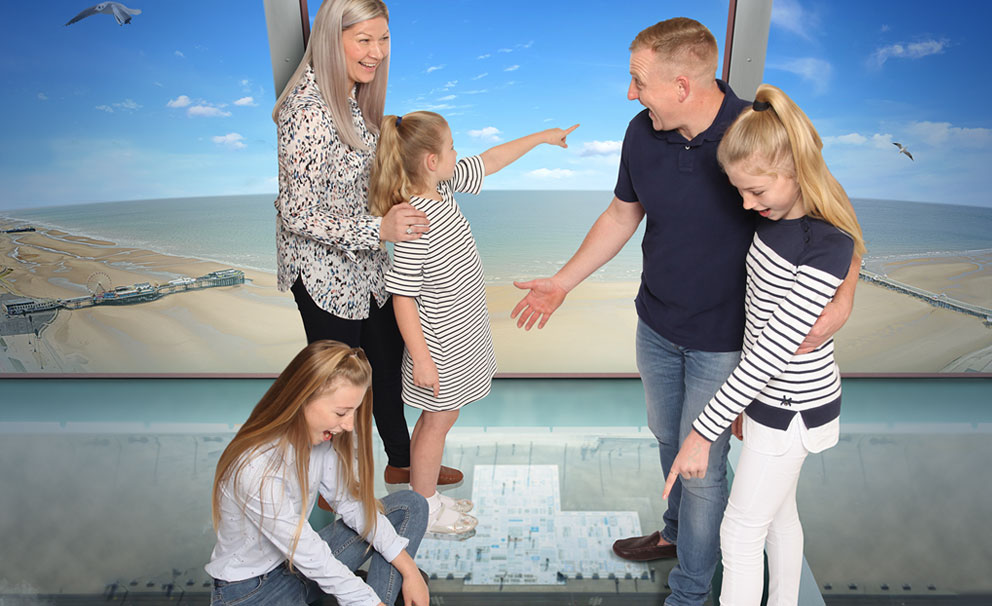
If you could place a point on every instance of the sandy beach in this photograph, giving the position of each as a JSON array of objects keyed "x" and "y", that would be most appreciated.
[{"x": 253, "y": 328}]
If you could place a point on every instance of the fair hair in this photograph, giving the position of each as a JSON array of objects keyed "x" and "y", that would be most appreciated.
[
  {"x": 279, "y": 419},
  {"x": 398, "y": 170},
  {"x": 782, "y": 138},
  {"x": 685, "y": 44},
  {"x": 326, "y": 56}
]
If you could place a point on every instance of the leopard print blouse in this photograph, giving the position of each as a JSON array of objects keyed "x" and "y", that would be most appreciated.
[{"x": 324, "y": 232}]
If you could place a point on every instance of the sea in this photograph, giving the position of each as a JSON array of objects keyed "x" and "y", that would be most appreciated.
[{"x": 520, "y": 234}]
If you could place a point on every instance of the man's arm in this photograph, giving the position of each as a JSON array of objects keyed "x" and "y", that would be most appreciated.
[
  {"x": 836, "y": 313},
  {"x": 607, "y": 236}
]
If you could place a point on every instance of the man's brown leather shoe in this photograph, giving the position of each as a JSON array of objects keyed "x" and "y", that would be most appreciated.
[
  {"x": 643, "y": 549},
  {"x": 398, "y": 475}
]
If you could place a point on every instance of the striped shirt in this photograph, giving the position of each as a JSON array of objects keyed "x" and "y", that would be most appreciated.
[
  {"x": 794, "y": 267},
  {"x": 442, "y": 270}
]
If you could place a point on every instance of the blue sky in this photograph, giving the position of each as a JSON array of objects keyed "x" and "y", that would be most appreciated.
[{"x": 177, "y": 103}]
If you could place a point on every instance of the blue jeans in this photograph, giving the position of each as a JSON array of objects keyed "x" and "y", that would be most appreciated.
[
  {"x": 405, "y": 510},
  {"x": 678, "y": 383}
]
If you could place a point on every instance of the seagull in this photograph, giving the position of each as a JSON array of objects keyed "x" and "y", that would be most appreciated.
[
  {"x": 903, "y": 150},
  {"x": 119, "y": 11}
]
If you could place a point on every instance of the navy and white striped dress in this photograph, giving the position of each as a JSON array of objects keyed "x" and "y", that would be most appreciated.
[
  {"x": 793, "y": 270},
  {"x": 442, "y": 270}
]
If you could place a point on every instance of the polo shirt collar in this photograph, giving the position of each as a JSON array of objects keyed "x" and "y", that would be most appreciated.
[{"x": 714, "y": 132}]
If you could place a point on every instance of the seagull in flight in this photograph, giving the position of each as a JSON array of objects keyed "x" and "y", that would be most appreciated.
[
  {"x": 903, "y": 150},
  {"x": 119, "y": 11}
]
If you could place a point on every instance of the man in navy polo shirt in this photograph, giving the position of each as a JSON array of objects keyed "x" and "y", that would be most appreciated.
[{"x": 690, "y": 305}]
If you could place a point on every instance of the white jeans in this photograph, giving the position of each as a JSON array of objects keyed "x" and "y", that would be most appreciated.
[{"x": 761, "y": 514}]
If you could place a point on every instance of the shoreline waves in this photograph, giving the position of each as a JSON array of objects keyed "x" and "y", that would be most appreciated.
[{"x": 254, "y": 328}]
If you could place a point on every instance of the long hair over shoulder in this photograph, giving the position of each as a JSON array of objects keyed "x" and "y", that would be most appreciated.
[
  {"x": 278, "y": 421},
  {"x": 325, "y": 54},
  {"x": 783, "y": 138},
  {"x": 397, "y": 170}
]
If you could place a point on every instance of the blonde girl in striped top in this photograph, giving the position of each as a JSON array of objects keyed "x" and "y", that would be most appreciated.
[
  {"x": 438, "y": 288},
  {"x": 786, "y": 405}
]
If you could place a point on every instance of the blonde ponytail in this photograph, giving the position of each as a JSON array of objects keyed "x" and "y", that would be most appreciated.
[
  {"x": 783, "y": 136},
  {"x": 397, "y": 170}
]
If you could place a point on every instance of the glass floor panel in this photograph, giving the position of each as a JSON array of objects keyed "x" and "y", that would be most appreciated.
[{"x": 106, "y": 493}]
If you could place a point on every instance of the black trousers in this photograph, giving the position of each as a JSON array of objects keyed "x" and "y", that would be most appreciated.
[{"x": 379, "y": 336}]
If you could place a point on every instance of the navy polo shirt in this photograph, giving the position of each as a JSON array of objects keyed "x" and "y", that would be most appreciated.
[{"x": 697, "y": 233}]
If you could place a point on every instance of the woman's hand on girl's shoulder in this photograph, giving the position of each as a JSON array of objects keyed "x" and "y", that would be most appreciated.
[
  {"x": 558, "y": 136},
  {"x": 403, "y": 222}
]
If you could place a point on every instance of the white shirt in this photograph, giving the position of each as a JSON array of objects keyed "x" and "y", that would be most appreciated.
[{"x": 256, "y": 529}]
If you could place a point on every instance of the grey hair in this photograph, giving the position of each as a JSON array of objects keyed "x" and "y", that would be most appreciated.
[{"x": 324, "y": 54}]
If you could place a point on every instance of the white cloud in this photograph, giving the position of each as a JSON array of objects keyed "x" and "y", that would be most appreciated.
[
  {"x": 434, "y": 107},
  {"x": 552, "y": 173},
  {"x": 206, "y": 111},
  {"x": 490, "y": 134},
  {"x": 528, "y": 45},
  {"x": 180, "y": 54},
  {"x": 434, "y": 68},
  {"x": 231, "y": 140},
  {"x": 180, "y": 101},
  {"x": 43, "y": 96},
  {"x": 486, "y": 56},
  {"x": 246, "y": 101},
  {"x": 128, "y": 105},
  {"x": 880, "y": 141},
  {"x": 480, "y": 76},
  {"x": 600, "y": 148},
  {"x": 816, "y": 72},
  {"x": 512, "y": 68},
  {"x": 447, "y": 98},
  {"x": 505, "y": 50},
  {"x": 792, "y": 17},
  {"x": 914, "y": 50},
  {"x": 848, "y": 139},
  {"x": 885, "y": 28},
  {"x": 939, "y": 133}
]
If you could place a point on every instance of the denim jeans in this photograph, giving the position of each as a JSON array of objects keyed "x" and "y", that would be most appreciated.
[
  {"x": 405, "y": 510},
  {"x": 678, "y": 383}
]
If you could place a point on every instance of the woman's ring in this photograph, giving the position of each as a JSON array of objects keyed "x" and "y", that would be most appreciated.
[{"x": 409, "y": 231}]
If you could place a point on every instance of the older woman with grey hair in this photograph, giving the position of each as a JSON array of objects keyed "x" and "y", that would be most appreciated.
[{"x": 331, "y": 251}]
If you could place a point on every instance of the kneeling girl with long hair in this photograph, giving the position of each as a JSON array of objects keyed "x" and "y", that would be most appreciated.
[{"x": 304, "y": 437}]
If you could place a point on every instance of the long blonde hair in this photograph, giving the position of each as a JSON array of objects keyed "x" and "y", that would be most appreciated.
[
  {"x": 324, "y": 53},
  {"x": 397, "y": 170},
  {"x": 278, "y": 419},
  {"x": 783, "y": 137}
]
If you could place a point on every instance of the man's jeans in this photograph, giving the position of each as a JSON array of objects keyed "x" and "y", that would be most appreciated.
[{"x": 678, "y": 383}]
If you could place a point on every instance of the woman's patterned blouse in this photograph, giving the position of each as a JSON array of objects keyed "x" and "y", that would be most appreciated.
[{"x": 324, "y": 232}]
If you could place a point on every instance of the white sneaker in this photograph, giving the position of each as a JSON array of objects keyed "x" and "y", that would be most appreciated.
[
  {"x": 459, "y": 505},
  {"x": 450, "y": 524}
]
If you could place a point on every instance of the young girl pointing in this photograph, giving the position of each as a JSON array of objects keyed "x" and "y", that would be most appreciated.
[
  {"x": 438, "y": 288},
  {"x": 800, "y": 254}
]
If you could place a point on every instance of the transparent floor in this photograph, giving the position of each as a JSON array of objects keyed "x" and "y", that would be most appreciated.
[{"x": 106, "y": 488}]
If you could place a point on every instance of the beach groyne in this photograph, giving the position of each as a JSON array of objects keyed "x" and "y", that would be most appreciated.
[{"x": 935, "y": 299}]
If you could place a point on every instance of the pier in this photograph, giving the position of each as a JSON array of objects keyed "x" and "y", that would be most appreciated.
[
  {"x": 937, "y": 300},
  {"x": 127, "y": 295}
]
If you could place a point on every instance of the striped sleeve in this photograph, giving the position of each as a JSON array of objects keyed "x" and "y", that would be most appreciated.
[
  {"x": 788, "y": 324},
  {"x": 469, "y": 174},
  {"x": 406, "y": 274}
]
